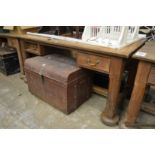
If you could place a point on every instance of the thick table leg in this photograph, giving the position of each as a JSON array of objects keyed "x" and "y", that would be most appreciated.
[
  {"x": 138, "y": 92},
  {"x": 23, "y": 51},
  {"x": 109, "y": 116}
]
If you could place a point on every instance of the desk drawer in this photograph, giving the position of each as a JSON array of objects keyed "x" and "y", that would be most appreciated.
[
  {"x": 34, "y": 48},
  {"x": 151, "y": 79},
  {"x": 93, "y": 62}
]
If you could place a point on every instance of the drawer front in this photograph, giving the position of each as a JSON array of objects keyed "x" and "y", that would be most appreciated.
[
  {"x": 93, "y": 62},
  {"x": 33, "y": 48},
  {"x": 151, "y": 79}
]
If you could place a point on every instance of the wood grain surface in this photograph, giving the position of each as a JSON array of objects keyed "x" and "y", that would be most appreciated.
[{"x": 124, "y": 52}]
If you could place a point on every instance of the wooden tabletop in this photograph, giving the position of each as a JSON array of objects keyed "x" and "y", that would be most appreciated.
[
  {"x": 124, "y": 52},
  {"x": 147, "y": 52}
]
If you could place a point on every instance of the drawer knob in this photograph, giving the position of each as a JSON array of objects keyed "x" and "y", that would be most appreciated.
[{"x": 93, "y": 64}]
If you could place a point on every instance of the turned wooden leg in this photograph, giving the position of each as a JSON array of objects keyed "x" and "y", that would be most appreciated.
[
  {"x": 138, "y": 92},
  {"x": 109, "y": 116}
]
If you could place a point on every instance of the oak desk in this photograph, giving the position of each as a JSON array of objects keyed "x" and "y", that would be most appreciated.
[
  {"x": 102, "y": 59},
  {"x": 145, "y": 76}
]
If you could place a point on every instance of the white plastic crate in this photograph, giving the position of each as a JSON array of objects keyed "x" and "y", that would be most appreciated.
[{"x": 111, "y": 36}]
